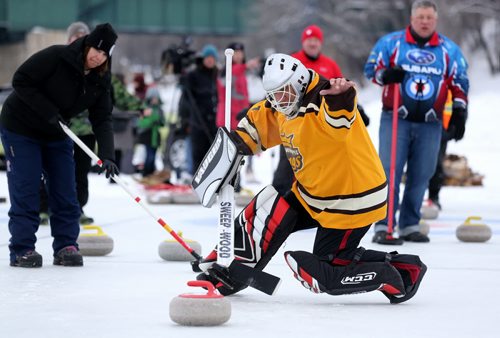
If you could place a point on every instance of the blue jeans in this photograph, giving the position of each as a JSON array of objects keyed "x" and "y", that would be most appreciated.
[
  {"x": 417, "y": 147},
  {"x": 149, "y": 161},
  {"x": 26, "y": 159}
]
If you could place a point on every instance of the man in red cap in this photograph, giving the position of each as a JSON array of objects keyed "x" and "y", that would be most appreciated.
[
  {"x": 310, "y": 54},
  {"x": 311, "y": 57}
]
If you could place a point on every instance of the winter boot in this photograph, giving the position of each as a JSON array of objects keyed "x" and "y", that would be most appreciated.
[
  {"x": 86, "y": 220},
  {"x": 44, "y": 218},
  {"x": 416, "y": 237},
  {"x": 68, "y": 256},
  {"x": 30, "y": 259},
  {"x": 383, "y": 237}
]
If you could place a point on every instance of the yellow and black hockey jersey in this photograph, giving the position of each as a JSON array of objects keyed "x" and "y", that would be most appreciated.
[{"x": 340, "y": 180}]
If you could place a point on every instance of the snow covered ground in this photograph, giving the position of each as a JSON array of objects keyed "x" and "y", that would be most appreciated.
[{"x": 127, "y": 293}]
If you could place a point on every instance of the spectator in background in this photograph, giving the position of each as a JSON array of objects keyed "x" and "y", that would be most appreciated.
[
  {"x": 421, "y": 65},
  {"x": 149, "y": 124},
  {"x": 198, "y": 104},
  {"x": 53, "y": 85},
  {"x": 311, "y": 57},
  {"x": 140, "y": 86},
  {"x": 448, "y": 133},
  {"x": 128, "y": 108}
]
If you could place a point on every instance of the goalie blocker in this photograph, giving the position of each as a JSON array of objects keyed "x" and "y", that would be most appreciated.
[{"x": 219, "y": 166}]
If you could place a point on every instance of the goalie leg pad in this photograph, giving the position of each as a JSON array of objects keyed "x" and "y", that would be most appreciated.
[
  {"x": 412, "y": 271},
  {"x": 319, "y": 275},
  {"x": 218, "y": 168},
  {"x": 410, "y": 267},
  {"x": 262, "y": 227},
  {"x": 260, "y": 230}
]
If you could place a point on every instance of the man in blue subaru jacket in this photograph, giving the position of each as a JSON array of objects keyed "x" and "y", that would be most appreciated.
[{"x": 422, "y": 66}]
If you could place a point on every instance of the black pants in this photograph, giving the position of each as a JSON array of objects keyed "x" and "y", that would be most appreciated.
[
  {"x": 341, "y": 243},
  {"x": 283, "y": 176},
  {"x": 200, "y": 144},
  {"x": 436, "y": 181},
  {"x": 30, "y": 158},
  {"x": 82, "y": 167}
]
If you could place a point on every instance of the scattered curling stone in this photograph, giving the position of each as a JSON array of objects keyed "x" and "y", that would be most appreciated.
[
  {"x": 159, "y": 197},
  {"x": 94, "y": 244},
  {"x": 429, "y": 210},
  {"x": 171, "y": 250},
  {"x": 184, "y": 194},
  {"x": 200, "y": 310},
  {"x": 473, "y": 232},
  {"x": 424, "y": 227}
]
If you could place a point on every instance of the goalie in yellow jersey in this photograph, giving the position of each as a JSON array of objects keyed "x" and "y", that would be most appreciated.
[{"x": 340, "y": 187}]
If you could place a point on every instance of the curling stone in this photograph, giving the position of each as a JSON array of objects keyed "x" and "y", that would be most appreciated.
[
  {"x": 159, "y": 197},
  {"x": 3, "y": 200},
  {"x": 424, "y": 227},
  {"x": 184, "y": 194},
  {"x": 473, "y": 232},
  {"x": 171, "y": 250},
  {"x": 200, "y": 310},
  {"x": 94, "y": 244},
  {"x": 429, "y": 210}
]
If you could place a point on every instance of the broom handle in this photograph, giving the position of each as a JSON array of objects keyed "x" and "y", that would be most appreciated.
[
  {"x": 392, "y": 170},
  {"x": 225, "y": 247}
]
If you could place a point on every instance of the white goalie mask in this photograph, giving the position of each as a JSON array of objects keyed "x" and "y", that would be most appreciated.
[{"x": 285, "y": 81}]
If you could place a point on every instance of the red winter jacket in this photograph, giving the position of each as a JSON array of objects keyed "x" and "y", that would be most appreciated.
[
  {"x": 325, "y": 66},
  {"x": 239, "y": 95}
]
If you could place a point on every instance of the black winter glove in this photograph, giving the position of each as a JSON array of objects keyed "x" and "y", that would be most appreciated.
[
  {"x": 55, "y": 122},
  {"x": 109, "y": 167},
  {"x": 364, "y": 117},
  {"x": 456, "y": 128},
  {"x": 393, "y": 75}
]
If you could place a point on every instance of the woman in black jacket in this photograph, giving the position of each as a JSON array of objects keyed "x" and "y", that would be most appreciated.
[{"x": 53, "y": 85}]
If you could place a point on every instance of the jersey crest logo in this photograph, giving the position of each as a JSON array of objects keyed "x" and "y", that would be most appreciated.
[
  {"x": 420, "y": 88},
  {"x": 420, "y": 56},
  {"x": 292, "y": 153}
]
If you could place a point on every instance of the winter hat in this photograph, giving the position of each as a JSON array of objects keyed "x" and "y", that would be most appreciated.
[
  {"x": 312, "y": 31},
  {"x": 209, "y": 50},
  {"x": 103, "y": 37},
  {"x": 236, "y": 46},
  {"x": 153, "y": 92},
  {"x": 77, "y": 28}
]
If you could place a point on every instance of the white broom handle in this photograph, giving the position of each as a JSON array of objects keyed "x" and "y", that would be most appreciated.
[
  {"x": 229, "y": 75},
  {"x": 225, "y": 247}
]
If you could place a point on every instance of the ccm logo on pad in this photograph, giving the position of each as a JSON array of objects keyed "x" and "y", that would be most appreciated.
[{"x": 362, "y": 277}]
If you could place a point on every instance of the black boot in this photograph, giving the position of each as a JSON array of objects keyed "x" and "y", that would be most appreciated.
[
  {"x": 68, "y": 256},
  {"x": 383, "y": 237},
  {"x": 417, "y": 237},
  {"x": 30, "y": 259}
]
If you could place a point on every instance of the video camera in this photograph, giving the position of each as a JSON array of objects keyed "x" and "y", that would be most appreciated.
[{"x": 178, "y": 58}]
